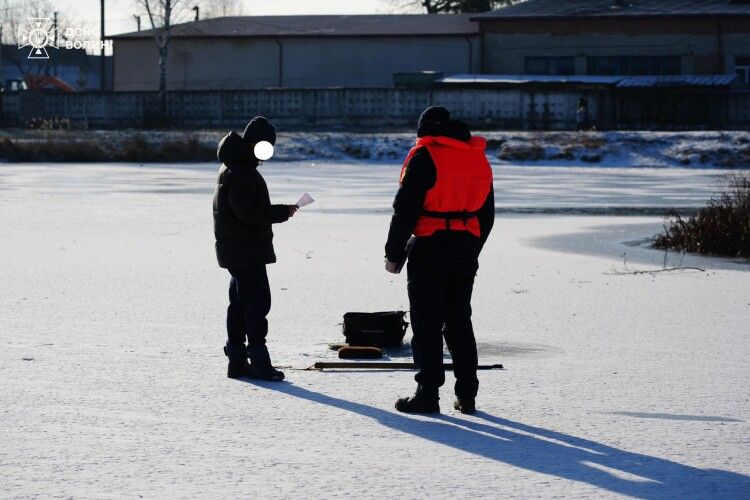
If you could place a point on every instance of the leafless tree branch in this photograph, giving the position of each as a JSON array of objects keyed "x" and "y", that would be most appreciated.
[
  {"x": 626, "y": 271},
  {"x": 447, "y": 6}
]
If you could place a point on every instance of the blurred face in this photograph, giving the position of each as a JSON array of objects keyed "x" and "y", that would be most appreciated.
[{"x": 263, "y": 150}]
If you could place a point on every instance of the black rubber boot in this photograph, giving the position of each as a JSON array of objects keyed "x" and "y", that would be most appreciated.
[
  {"x": 238, "y": 365},
  {"x": 422, "y": 402},
  {"x": 465, "y": 406},
  {"x": 260, "y": 365}
]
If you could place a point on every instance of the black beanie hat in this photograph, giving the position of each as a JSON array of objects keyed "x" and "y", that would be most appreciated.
[
  {"x": 259, "y": 129},
  {"x": 430, "y": 117}
]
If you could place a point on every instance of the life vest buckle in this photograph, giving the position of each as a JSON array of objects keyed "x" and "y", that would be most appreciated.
[{"x": 462, "y": 215}]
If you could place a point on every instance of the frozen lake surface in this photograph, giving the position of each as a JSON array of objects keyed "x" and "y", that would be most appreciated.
[
  {"x": 112, "y": 379},
  {"x": 369, "y": 187}
]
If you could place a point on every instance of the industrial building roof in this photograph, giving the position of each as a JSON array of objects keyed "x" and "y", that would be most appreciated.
[
  {"x": 520, "y": 79},
  {"x": 546, "y": 9},
  {"x": 677, "y": 81},
  {"x": 617, "y": 81},
  {"x": 321, "y": 26}
]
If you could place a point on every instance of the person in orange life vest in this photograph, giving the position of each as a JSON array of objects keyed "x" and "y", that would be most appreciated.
[{"x": 446, "y": 199}]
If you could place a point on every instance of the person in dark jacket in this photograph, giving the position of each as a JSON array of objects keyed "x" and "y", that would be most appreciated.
[
  {"x": 243, "y": 215},
  {"x": 446, "y": 200}
]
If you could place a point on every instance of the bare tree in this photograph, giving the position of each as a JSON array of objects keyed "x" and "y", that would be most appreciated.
[
  {"x": 449, "y": 6},
  {"x": 221, "y": 8},
  {"x": 162, "y": 15}
]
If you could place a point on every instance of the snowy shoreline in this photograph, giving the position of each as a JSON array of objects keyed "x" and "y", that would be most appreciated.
[{"x": 707, "y": 149}]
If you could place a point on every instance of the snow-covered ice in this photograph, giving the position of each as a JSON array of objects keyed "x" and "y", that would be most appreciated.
[{"x": 112, "y": 379}]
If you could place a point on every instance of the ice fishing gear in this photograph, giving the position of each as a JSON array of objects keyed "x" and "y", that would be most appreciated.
[
  {"x": 383, "y": 365},
  {"x": 376, "y": 329},
  {"x": 360, "y": 352}
]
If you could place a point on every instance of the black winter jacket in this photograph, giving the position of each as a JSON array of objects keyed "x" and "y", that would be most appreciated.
[
  {"x": 454, "y": 250},
  {"x": 243, "y": 213}
]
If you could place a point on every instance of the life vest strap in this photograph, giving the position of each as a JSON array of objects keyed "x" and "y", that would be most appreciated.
[{"x": 448, "y": 216}]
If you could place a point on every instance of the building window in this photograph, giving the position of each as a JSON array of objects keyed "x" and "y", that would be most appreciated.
[
  {"x": 549, "y": 66},
  {"x": 633, "y": 65},
  {"x": 742, "y": 66}
]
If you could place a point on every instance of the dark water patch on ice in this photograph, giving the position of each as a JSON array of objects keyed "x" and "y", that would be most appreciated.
[
  {"x": 515, "y": 349},
  {"x": 638, "y": 243},
  {"x": 596, "y": 210},
  {"x": 675, "y": 416},
  {"x": 351, "y": 211},
  {"x": 487, "y": 350},
  {"x": 166, "y": 190},
  {"x": 520, "y": 210},
  {"x": 628, "y": 245},
  {"x": 404, "y": 351}
]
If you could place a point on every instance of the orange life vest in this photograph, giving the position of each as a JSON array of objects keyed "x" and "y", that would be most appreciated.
[{"x": 462, "y": 182}]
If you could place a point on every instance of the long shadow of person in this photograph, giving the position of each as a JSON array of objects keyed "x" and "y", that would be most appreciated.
[{"x": 548, "y": 452}]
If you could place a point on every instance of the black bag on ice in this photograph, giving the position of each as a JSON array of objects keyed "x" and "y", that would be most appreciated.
[{"x": 379, "y": 329}]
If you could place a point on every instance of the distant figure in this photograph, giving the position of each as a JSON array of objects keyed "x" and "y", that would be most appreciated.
[
  {"x": 582, "y": 114},
  {"x": 447, "y": 201},
  {"x": 546, "y": 116},
  {"x": 243, "y": 215}
]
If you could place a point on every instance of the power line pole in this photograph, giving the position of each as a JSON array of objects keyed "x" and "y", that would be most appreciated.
[
  {"x": 138, "y": 21},
  {"x": 102, "y": 69},
  {"x": 2, "y": 79},
  {"x": 54, "y": 27}
]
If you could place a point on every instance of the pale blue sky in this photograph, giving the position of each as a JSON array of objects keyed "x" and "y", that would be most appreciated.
[{"x": 119, "y": 13}]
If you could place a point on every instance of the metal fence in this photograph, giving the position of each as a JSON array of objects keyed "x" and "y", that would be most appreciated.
[{"x": 511, "y": 108}]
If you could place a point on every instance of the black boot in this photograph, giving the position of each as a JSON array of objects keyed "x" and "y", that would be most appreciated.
[
  {"x": 238, "y": 365},
  {"x": 423, "y": 401},
  {"x": 465, "y": 406},
  {"x": 260, "y": 365}
]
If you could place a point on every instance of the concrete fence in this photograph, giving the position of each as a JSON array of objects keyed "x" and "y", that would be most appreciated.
[{"x": 334, "y": 108}]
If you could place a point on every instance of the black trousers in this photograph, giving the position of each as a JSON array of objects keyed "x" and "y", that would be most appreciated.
[
  {"x": 249, "y": 304},
  {"x": 440, "y": 304}
]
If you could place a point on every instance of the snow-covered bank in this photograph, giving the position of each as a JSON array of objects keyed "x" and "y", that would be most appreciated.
[
  {"x": 622, "y": 149},
  {"x": 112, "y": 379},
  {"x": 707, "y": 149}
]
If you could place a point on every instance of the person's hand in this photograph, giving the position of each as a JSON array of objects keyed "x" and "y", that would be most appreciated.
[
  {"x": 292, "y": 210},
  {"x": 391, "y": 267}
]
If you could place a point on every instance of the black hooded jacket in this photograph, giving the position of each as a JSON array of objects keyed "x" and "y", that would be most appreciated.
[
  {"x": 243, "y": 213},
  {"x": 457, "y": 250}
]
